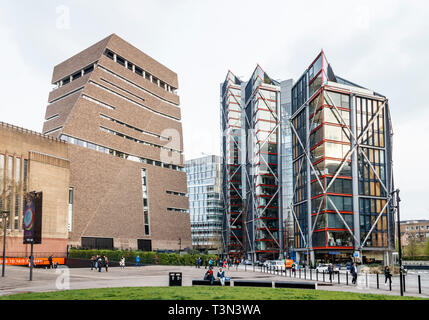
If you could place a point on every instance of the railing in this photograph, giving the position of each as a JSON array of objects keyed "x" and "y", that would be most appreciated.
[{"x": 412, "y": 283}]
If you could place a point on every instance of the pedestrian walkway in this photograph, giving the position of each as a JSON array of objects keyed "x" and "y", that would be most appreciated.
[{"x": 16, "y": 279}]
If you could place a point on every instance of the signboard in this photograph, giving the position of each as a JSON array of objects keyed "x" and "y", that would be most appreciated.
[
  {"x": 334, "y": 252},
  {"x": 26, "y": 261},
  {"x": 32, "y": 218}
]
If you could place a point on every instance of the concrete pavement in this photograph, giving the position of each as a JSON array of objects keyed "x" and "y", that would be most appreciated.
[{"x": 16, "y": 279}]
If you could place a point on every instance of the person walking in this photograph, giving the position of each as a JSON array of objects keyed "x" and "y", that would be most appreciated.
[
  {"x": 137, "y": 261},
  {"x": 122, "y": 263},
  {"x": 221, "y": 276},
  {"x": 211, "y": 263},
  {"x": 387, "y": 275},
  {"x": 99, "y": 263},
  {"x": 51, "y": 265},
  {"x": 106, "y": 263},
  {"x": 354, "y": 272},
  {"x": 330, "y": 271}
]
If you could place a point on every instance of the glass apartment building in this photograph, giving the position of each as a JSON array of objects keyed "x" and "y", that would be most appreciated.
[
  {"x": 252, "y": 153},
  {"x": 342, "y": 171},
  {"x": 233, "y": 151},
  {"x": 204, "y": 178}
]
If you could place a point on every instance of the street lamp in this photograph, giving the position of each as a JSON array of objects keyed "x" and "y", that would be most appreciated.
[
  {"x": 396, "y": 206},
  {"x": 4, "y": 217}
]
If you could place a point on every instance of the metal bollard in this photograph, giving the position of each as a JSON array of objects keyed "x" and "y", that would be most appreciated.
[
  {"x": 403, "y": 277},
  {"x": 299, "y": 273},
  {"x": 378, "y": 285},
  {"x": 305, "y": 274},
  {"x": 338, "y": 277},
  {"x": 366, "y": 279},
  {"x": 310, "y": 275},
  {"x": 347, "y": 277},
  {"x": 420, "y": 285},
  {"x": 317, "y": 275},
  {"x": 323, "y": 275}
]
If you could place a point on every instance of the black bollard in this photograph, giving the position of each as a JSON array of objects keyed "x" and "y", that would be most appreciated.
[
  {"x": 420, "y": 285},
  {"x": 317, "y": 275},
  {"x": 378, "y": 285},
  {"x": 323, "y": 275},
  {"x": 347, "y": 277},
  {"x": 403, "y": 277}
]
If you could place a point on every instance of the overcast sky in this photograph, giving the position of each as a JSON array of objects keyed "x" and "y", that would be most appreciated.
[{"x": 381, "y": 45}]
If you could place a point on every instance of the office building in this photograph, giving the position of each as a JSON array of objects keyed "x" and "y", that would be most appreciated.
[
  {"x": 205, "y": 202},
  {"x": 119, "y": 111}
]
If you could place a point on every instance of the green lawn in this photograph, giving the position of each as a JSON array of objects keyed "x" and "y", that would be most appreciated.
[{"x": 200, "y": 293}]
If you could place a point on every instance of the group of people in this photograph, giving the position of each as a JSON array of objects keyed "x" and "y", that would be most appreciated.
[
  {"x": 209, "y": 275},
  {"x": 99, "y": 262},
  {"x": 387, "y": 274},
  {"x": 221, "y": 263}
]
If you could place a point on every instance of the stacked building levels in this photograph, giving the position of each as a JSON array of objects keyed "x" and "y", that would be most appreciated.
[
  {"x": 251, "y": 122},
  {"x": 342, "y": 170},
  {"x": 233, "y": 151},
  {"x": 119, "y": 111},
  {"x": 205, "y": 202}
]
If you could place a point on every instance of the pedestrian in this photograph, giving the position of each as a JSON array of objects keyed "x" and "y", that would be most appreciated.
[
  {"x": 206, "y": 263},
  {"x": 122, "y": 263},
  {"x": 211, "y": 276},
  {"x": 137, "y": 260},
  {"x": 199, "y": 262},
  {"x": 330, "y": 271},
  {"x": 387, "y": 275},
  {"x": 99, "y": 263},
  {"x": 50, "y": 262},
  {"x": 196, "y": 263},
  {"x": 211, "y": 263},
  {"x": 354, "y": 272},
  {"x": 106, "y": 263},
  {"x": 221, "y": 276}
]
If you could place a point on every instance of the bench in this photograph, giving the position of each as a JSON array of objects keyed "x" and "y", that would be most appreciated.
[
  {"x": 207, "y": 283},
  {"x": 246, "y": 283},
  {"x": 295, "y": 284}
]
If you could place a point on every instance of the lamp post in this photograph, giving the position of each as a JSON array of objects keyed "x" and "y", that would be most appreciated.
[
  {"x": 396, "y": 206},
  {"x": 4, "y": 217}
]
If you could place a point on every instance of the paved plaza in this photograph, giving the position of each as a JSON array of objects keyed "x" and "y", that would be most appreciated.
[{"x": 16, "y": 279}]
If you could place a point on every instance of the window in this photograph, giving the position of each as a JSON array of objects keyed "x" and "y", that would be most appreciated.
[
  {"x": 77, "y": 75},
  {"x": 88, "y": 69},
  {"x": 138, "y": 70},
  {"x": 66, "y": 80},
  {"x": 97, "y": 243},
  {"x": 120, "y": 60},
  {"x": 129, "y": 65},
  {"x": 145, "y": 202},
  {"x": 110, "y": 54},
  {"x": 70, "y": 209}
]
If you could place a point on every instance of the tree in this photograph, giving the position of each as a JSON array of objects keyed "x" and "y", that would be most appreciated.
[
  {"x": 426, "y": 250},
  {"x": 413, "y": 248}
]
